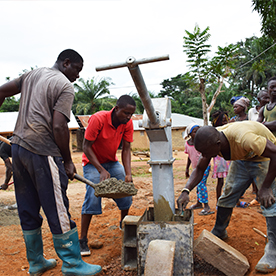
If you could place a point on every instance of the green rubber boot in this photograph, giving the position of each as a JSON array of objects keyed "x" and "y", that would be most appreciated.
[
  {"x": 222, "y": 221},
  {"x": 267, "y": 263},
  {"x": 68, "y": 249},
  {"x": 34, "y": 249}
]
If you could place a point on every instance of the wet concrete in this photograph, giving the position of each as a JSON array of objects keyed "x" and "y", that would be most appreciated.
[{"x": 114, "y": 188}]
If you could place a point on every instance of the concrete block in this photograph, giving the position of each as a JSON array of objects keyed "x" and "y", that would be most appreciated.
[
  {"x": 160, "y": 258},
  {"x": 179, "y": 231},
  {"x": 129, "y": 245},
  {"x": 131, "y": 220},
  {"x": 220, "y": 255}
]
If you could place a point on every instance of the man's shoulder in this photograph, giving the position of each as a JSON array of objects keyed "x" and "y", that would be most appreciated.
[
  {"x": 270, "y": 106},
  {"x": 100, "y": 118},
  {"x": 100, "y": 115},
  {"x": 46, "y": 74}
]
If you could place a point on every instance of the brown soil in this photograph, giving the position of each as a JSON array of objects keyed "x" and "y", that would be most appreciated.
[{"x": 105, "y": 228}]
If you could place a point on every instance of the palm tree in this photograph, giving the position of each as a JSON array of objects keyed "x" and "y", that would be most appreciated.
[
  {"x": 257, "y": 64},
  {"x": 90, "y": 95}
]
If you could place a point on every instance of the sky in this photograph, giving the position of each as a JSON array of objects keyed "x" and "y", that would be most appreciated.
[{"x": 33, "y": 33}]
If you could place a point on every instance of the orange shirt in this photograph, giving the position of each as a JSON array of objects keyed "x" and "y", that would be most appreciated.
[{"x": 107, "y": 138}]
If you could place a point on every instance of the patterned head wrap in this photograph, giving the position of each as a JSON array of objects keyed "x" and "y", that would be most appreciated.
[
  {"x": 234, "y": 99},
  {"x": 244, "y": 102}
]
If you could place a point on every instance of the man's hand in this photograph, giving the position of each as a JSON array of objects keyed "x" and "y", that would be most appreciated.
[
  {"x": 4, "y": 186},
  {"x": 265, "y": 197},
  {"x": 182, "y": 201},
  {"x": 128, "y": 178},
  {"x": 187, "y": 173},
  {"x": 104, "y": 174},
  {"x": 70, "y": 169}
]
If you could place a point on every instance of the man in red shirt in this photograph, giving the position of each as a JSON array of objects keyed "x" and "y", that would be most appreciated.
[{"x": 103, "y": 135}]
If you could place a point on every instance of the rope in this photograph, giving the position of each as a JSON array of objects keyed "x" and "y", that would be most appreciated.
[{"x": 257, "y": 55}]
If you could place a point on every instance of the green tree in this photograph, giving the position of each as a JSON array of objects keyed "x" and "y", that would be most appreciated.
[
  {"x": 181, "y": 89},
  {"x": 202, "y": 68},
  {"x": 267, "y": 11},
  {"x": 91, "y": 95},
  {"x": 219, "y": 68},
  {"x": 138, "y": 101},
  {"x": 10, "y": 104},
  {"x": 256, "y": 65},
  {"x": 196, "y": 49}
]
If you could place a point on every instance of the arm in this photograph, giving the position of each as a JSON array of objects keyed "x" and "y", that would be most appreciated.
[
  {"x": 126, "y": 159},
  {"x": 265, "y": 194},
  {"x": 187, "y": 167},
  {"x": 271, "y": 125},
  {"x": 62, "y": 138},
  {"x": 7, "y": 90},
  {"x": 8, "y": 170},
  {"x": 261, "y": 115},
  {"x": 195, "y": 178},
  {"x": 87, "y": 149},
  {"x": 8, "y": 174}
]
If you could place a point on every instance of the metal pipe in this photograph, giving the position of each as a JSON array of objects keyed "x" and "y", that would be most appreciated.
[
  {"x": 143, "y": 93},
  {"x": 137, "y": 77},
  {"x": 131, "y": 62}
]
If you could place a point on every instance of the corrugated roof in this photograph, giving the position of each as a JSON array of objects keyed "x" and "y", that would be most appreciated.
[
  {"x": 180, "y": 120},
  {"x": 8, "y": 121},
  {"x": 83, "y": 119}
]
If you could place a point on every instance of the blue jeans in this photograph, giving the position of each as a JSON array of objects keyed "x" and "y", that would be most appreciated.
[
  {"x": 240, "y": 176},
  {"x": 93, "y": 205}
]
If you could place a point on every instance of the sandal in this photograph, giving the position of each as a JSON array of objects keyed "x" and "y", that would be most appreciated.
[
  {"x": 206, "y": 213},
  {"x": 242, "y": 204}
]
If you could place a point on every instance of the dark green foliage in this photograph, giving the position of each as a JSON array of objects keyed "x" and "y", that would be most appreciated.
[
  {"x": 196, "y": 50},
  {"x": 182, "y": 90},
  {"x": 267, "y": 11},
  {"x": 91, "y": 96},
  {"x": 255, "y": 65},
  {"x": 10, "y": 104},
  {"x": 139, "y": 104}
]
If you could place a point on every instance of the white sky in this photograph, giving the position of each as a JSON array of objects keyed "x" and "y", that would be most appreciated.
[{"x": 33, "y": 33}]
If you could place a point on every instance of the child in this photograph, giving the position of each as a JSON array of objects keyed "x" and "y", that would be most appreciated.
[
  {"x": 221, "y": 166},
  {"x": 193, "y": 156}
]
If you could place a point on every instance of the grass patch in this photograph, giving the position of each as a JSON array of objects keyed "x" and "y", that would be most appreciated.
[
  {"x": 142, "y": 171},
  {"x": 140, "y": 160}
]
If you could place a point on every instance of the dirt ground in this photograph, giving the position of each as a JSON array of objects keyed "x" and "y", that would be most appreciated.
[{"x": 105, "y": 227}]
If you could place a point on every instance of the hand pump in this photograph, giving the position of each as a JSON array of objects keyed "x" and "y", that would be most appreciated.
[{"x": 157, "y": 122}]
